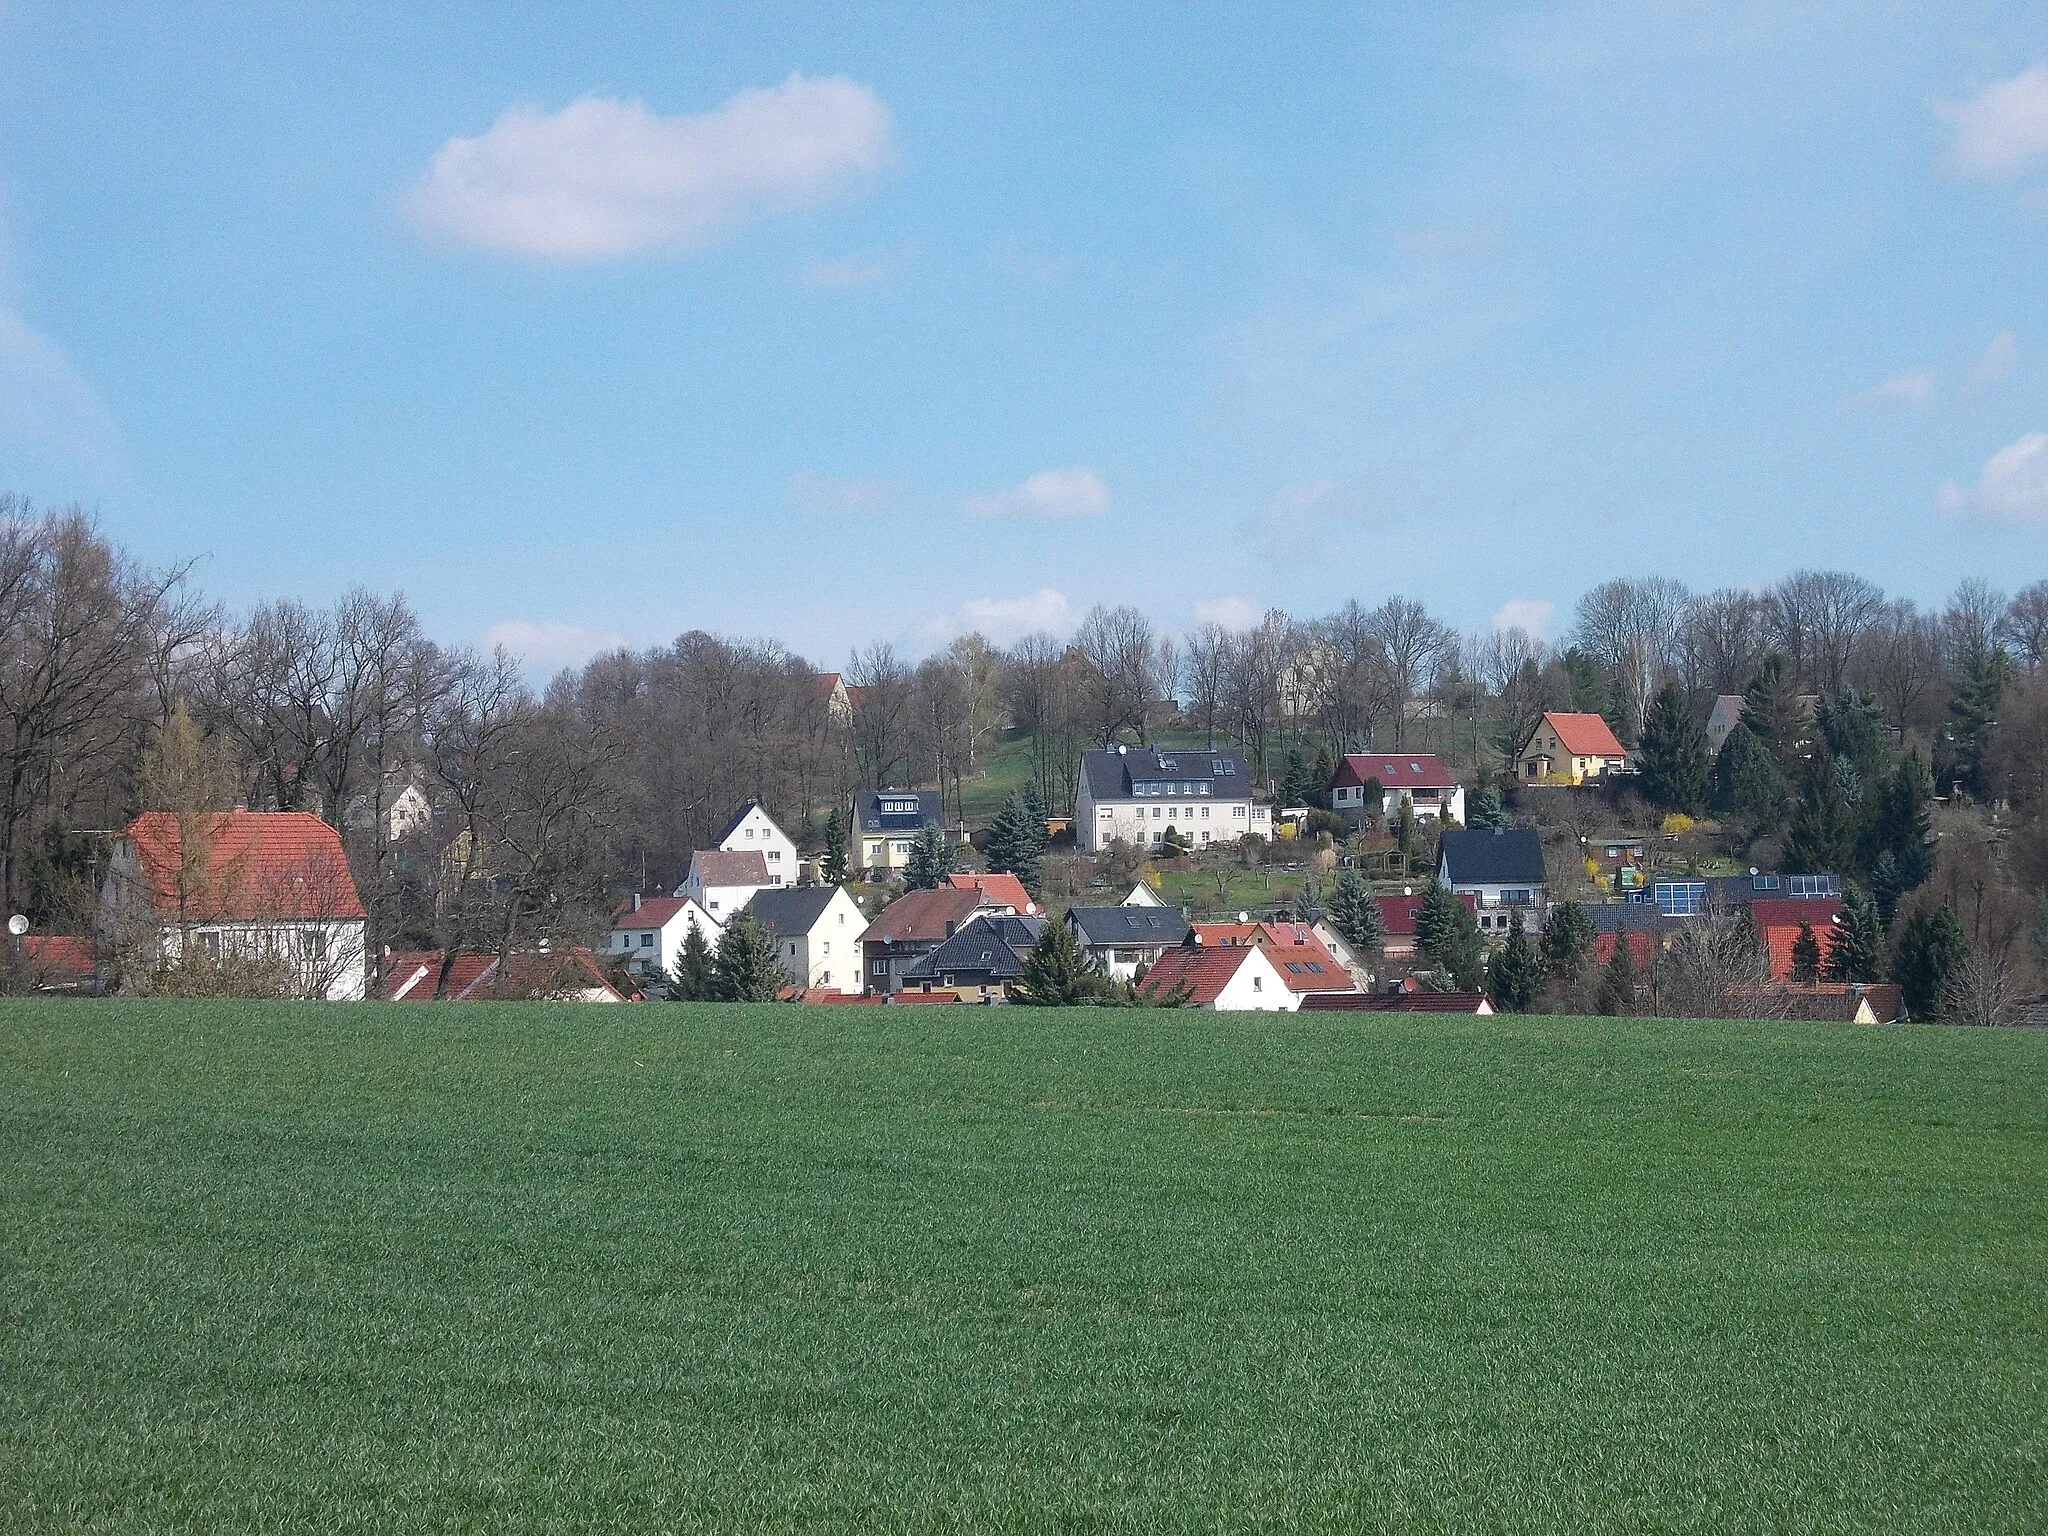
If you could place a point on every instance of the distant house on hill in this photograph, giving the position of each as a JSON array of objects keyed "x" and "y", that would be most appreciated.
[
  {"x": 753, "y": 830},
  {"x": 1569, "y": 749},
  {"x": 837, "y": 697},
  {"x": 1725, "y": 715},
  {"x": 1137, "y": 795},
  {"x": 886, "y": 822},
  {"x": 1420, "y": 778},
  {"x": 1501, "y": 868},
  {"x": 254, "y": 886}
]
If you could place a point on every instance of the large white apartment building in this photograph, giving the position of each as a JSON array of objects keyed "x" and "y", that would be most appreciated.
[{"x": 1136, "y": 793}]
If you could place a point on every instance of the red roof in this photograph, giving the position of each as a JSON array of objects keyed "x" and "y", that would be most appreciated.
[
  {"x": 1304, "y": 962},
  {"x": 1205, "y": 970},
  {"x": 412, "y": 975},
  {"x": 921, "y": 916},
  {"x": 1397, "y": 913},
  {"x": 719, "y": 866},
  {"x": 654, "y": 912},
  {"x": 1005, "y": 888},
  {"x": 60, "y": 954},
  {"x": 1642, "y": 948},
  {"x": 1777, "y": 921},
  {"x": 1395, "y": 770},
  {"x": 1584, "y": 735},
  {"x": 259, "y": 866}
]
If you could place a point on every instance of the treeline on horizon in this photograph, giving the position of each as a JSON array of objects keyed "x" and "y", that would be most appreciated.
[{"x": 604, "y": 780}]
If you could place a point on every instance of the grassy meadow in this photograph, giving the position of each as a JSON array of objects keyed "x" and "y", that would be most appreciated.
[{"x": 699, "y": 1268}]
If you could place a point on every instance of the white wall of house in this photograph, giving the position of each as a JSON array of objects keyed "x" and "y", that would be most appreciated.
[
  {"x": 646, "y": 948},
  {"x": 828, "y": 957},
  {"x": 1351, "y": 797},
  {"x": 758, "y": 833},
  {"x": 1256, "y": 988},
  {"x": 1199, "y": 819},
  {"x": 721, "y": 901},
  {"x": 330, "y": 954}
]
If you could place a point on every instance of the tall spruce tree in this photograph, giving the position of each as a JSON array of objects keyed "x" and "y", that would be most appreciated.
[
  {"x": 1901, "y": 823},
  {"x": 1515, "y": 975},
  {"x": 929, "y": 860},
  {"x": 1972, "y": 718},
  {"x": 1822, "y": 836},
  {"x": 1747, "y": 783},
  {"x": 1568, "y": 940},
  {"x": 1015, "y": 842},
  {"x": 1676, "y": 769},
  {"x": 1621, "y": 982},
  {"x": 1806, "y": 958},
  {"x": 1356, "y": 917},
  {"x": 1931, "y": 944},
  {"x": 1483, "y": 808},
  {"x": 1059, "y": 973},
  {"x": 746, "y": 968},
  {"x": 1325, "y": 771},
  {"x": 694, "y": 979},
  {"x": 1447, "y": 935},
  {"x": 1856, "y": 952},
  {"x": 833, "y": 865},
  {"x": 1772, "y": 713}
]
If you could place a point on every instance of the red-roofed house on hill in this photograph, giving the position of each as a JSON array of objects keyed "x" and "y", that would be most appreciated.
[
  {"x": 1777, "y": 925},
  {"x": 1417, "y": 777},
  {"x": 1002, "y": 886},
  {"x": 1397, "y": 916},
  {"x": 1229, "y": 978},
  {"x": 1303, "y": 960},
  {"x": 236, "y": 885},
  {"x": 1569, "y": 749},
  {"x": 648, "y": 932}
]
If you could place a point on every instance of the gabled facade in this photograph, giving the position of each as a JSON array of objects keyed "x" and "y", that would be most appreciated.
[
  {"x": 1124, "y": 940},
  {"x": 1304, "y": 962},
  {"x": 406, "y": 810},
  {"x": 755, "y": 831},
  {"x": 721, "y": 882},
  {"x": 885, "y": 824},
  {"x": 1002, "y": 887},
  {"x": 1420, "y": 778},
  {"x": 981, "y": 963},
  {"x": 1135, "y": 794},
  {"x": 1501, "y": 868},
  {"x": 648, "y": 932},
  {"x": 254, "y": 885},
  {"x": 1569, "y": 749},
  {"x": 1722, "y": 719},
  {"x": 817, "y": 931},
  {"x": 1232, "y": 978},
  {"x": 1142, "y": 895},
  {"x": 911, "y": 927}
]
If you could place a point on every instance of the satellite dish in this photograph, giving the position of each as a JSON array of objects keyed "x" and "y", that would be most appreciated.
[
  {"x": 17, "y": 925},
  {"x": 1752, "y": 869},
  {"x": 1244, "y": 917}
]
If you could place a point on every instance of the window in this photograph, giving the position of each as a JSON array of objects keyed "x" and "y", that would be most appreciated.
[
  {"x": 874, "y": 851},
  {"x": 899, "y": 850},
  {"x": 1258, "y": 983},
  {"x": 647, "y": 941},
  {"x": 1158, "y": 836},
  {"x": 1156, "y": 814},
  {"x": 1293, "y": 967},
  {"x": 1237, "y": 811},
  {"x": 1205, "y": 834},
  {"x": 774, "y": 855},
  {"x": 879, "y": 968},
  {"x": 826, "y": 978},
  {"x": 792, "y": 949},
  {"x": 1220, "y": 767},
  {"x": 1315, "y": 966},
  {"x": 750, "y": 834},
  {"x": 1205, "y": 813},
  {"x": 826, "y": 947}
]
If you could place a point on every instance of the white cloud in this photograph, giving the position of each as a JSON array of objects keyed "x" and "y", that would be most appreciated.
[
  {"x": 2003, "y": 126},
  {"x": 1909, "y": 386},
  {"x": 2012, "y": 487},
  {"x": 1238, "y": 613},
  {"x": 1292, "y": 521},
  {"x": 1534, "y": 615},
  {"x": 1051, "y": 493},
  {"x": 851, "y": 271},
  {"x": 1004, "y": 619},
  {"x": 606, "y": 178},
  {"x": 1994, "y": 366},
  {"x": 545, "y": 649},
  {"x": 820, "y": 493}
]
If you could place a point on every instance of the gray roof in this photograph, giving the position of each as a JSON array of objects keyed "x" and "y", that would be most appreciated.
[
  {"x": 1216, "y": 775},
  {"x": 1492, "y": 856},
  {"x": 989, "y": 946},
  {"x": 877, "y": 810},
  {"x": 734, "y": 825},
  {"x": 1128, "y": 925},
  {"x": 791, "y": 910}
]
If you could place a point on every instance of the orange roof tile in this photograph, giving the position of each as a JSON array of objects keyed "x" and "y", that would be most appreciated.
[
  {"x": 1204, "y": 969},
  {"x": 1585, "y": 735},
  {"x": 259, "y": 866}
]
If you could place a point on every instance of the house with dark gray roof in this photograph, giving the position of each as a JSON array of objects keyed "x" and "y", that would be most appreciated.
[
  {"x": 817, "y": 931},
  {"x": 753, "y": 830},
  {"x": 985, "y": 955},
  {"x": 1501, "y": 868},
  {"x": 1135, "y": 794},
  {"x": 1123, "y": 939},
  {"x": 885, "y": 823}
]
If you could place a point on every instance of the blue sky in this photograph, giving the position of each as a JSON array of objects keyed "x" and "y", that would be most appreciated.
[{"x": 587, "y": 324}]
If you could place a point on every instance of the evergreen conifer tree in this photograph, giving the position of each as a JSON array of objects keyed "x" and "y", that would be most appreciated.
[
  {"x": 1931, "y": 944},
  {"x": 1972, "y": 716},
  {"x": 1483, "y": 808},
  {"x": 1356, "y": 917},
  {"x": 1772, "y": 713},
  {"x": 1900, "y": 823},
  {"x": 693, "y": 979},
  {"x": 1325, "y": 771},
  {"x": 1887, "y": 885},
  {"x": 1806, "y": 955},
  {"x": 833, "y": 865},
  {"x": 929, "y": 861},
  {"x": 1447, "y": 935},
  {"x": 1620, "y": 982},
  {"x": 1567, "y": 942},
  {"x": 1015, "y": 842},
  {"x": 746, "y": 968},
  {"x": 1822, "y": 836},
  {"x": 1059, "y": 973},
  {"x": 1856, "y": 952},
  {"x": 1676, "y": 769},
  {"x": 1515, "y": 975}
]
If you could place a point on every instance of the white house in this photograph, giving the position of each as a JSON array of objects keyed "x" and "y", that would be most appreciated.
[
  {"x": 721, "y": 882},
  {"x": 1123, "y": 938},
  {"x": 1142, "y": 895},
  {"x": 1135, "y": 794},
  {"x": 754, "y": 831},
  {"x": 649, "y": 932},
  {"x": 1722, "y": 720},
  {"x": 1420, "y": 778},
  {"x": 1229, "y": 978},
  {"x": 267, "y": 886},
  {"x": 406, "y": 810},
  {"x": 817, "y": 931}
]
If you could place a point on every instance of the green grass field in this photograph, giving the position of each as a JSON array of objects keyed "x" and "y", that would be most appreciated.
[{"x": 667, "y": 1268}]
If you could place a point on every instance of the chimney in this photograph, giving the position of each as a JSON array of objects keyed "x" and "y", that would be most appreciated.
[{"x": 636, "y": 901}]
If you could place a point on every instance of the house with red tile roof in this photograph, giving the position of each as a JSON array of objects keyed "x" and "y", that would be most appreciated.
[
  {"x": 648, "y": 932},
  {"x": 1304, "y": 962},
  {"x": 1229, "y": 978},
  {"x": 237, "y": 884},
  {"x": 1569, "y": 749},
  {"x": 1397, "y": 916},
  {"x": 722, "y": 881},
  {"x": 1420, "y": 778},
  {"x": 1003, "y": 887},
  {"x": 475, "y": 976},
  {"x": 1777, "y": 923},
  {"x": 912, "y": 926}
]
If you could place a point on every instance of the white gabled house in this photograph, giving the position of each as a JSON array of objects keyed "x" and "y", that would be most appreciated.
[
  {"x": 817, "y": 931},
  {"x": 755, "y": 831},
  {"x": 721, "y": 883},
  {"x": 1229, "y": 978},
  {"x": 1135, "y": 794},
  {"x": 1420, "y": 778},
  {"x": 648, "y": 932}
]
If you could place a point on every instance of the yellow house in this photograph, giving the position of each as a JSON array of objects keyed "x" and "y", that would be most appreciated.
[{"x": 1569, "y": 749}]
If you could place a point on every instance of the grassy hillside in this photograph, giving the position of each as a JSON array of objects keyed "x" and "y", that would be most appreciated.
[{"x": 535, "y": 1267}]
